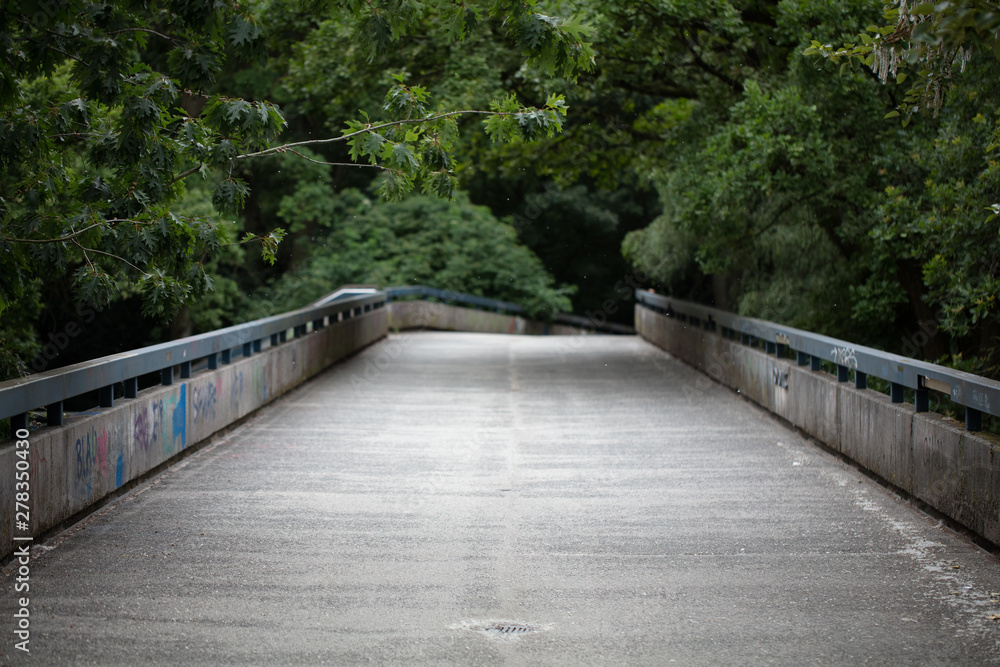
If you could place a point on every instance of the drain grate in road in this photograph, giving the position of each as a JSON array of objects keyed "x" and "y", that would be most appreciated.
[
  {"x": 501, "y": 629},
  {"x": 507, "y": 629}
]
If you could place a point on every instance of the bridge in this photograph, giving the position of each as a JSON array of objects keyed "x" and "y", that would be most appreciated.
[{"x": 382, "y": 480}]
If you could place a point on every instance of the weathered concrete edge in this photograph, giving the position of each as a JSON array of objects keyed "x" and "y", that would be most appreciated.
[
  {"x": 443, "y": 317},
  {"x": 926, "y": 455},
  {"x": 77, "y": 466}
]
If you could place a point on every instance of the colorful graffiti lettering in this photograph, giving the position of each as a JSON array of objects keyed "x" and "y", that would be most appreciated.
[
  {"x": 151, "y": 428},
  {"x": 156, "y": 410},
  {"x": 141, "y": 431},
  {"x": 96, "y": 453},
  {"x": 203, "y": 400},
  {"x": 179, "y": 422}
]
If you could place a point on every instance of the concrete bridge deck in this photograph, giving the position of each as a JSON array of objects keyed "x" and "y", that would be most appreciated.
[{"x": 598, "y": 500}]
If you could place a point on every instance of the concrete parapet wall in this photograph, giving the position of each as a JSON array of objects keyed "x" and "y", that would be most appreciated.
[
  {"x": 443, "y": 317},
  {"x": 74, "y": 466},
  {"x": 929, "y": 456}
]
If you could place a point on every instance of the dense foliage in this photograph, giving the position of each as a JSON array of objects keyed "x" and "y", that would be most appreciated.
[
  {"x": 422, "y": 240},
  {"x": 111, "y": 112}
]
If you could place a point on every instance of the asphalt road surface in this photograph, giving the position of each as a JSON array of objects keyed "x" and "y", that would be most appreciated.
[{"x": 450, "y": 498}]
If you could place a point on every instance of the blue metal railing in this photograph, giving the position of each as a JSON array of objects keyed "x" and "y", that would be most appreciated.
[
  {"x": 977, "y": 394},
  {"x": 51, "y": 388}
]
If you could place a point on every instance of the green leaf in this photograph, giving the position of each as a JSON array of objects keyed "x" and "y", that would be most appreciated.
[{"x": 372, "y": 145}]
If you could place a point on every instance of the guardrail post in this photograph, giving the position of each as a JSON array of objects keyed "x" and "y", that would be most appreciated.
[
  {"x": 185, "y": 370},
  {"x": 282, "y": 336},
  {"x": 18, "y": 422},
  {"x": 318, "y": 324},
  {"x": 247, "y": 349},
  {"x": 257, "y": 344},
  {"x": 973, "y": 420},
  {"x": 921, "y": 400},
  {"x": 54, "y": 414},
  {"x": 227, "y": 356},
  {"x": 782, "y": 350},
  {"x": 770, "y": 348},
  {"x": 896, "y": 392},
  {"x": 274, "y": 340},
  {"x": 213, "y": 361},
  {"x": 167, "y": 375},
  {"x": 814, "y": 363},
  {"x": 132, "y": 388},
  {"x": 106, "y": 396},
  {"x": 801, "y": 358},
  {"x": 860, "y": 380},
  {"x": 843, "y": 373}
]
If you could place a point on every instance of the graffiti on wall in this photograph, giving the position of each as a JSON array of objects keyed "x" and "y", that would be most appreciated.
[
  {"x": 178, "y": 411},
  {"x": 99, "y": 455},
  {"x": 203, "y": 400},
  {"x": 153, "y": 429}
]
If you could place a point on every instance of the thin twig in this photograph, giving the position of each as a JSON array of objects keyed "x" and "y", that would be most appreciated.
[
  {"x": 80, "y": 232},
  {"x": 335, "y": 164},
  {"x": 184, "y": 174},
  {"x": 372, "y": 128},
  {"x": 108, "y": 254},
  {"x": 87, "y": 258},
  {"x": 146, "y": 30},
  {"x": 68, "y": 237}
]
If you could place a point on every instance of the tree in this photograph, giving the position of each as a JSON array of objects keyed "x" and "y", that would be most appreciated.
[
  {"x": 107, "y": 109},
  {"x": 450, "y": 244},
  {"x": 95, "y": 159}
]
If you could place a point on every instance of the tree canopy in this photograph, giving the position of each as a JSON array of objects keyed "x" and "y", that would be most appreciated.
[{"x": 106, "y": 108}]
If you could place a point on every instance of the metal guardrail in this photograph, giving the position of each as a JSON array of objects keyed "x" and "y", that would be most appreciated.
[
  {"x": 977, "y": 394},
  {"x": 50, "y": 389},
  {"x": 447, "y": 296}
]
